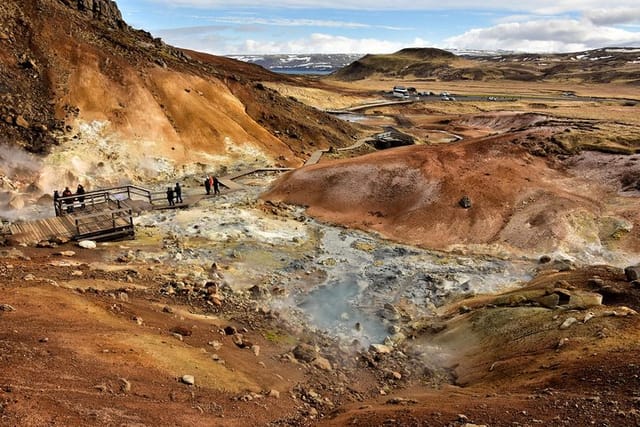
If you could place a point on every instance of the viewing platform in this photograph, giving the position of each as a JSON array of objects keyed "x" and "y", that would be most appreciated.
[{"x": 107, "y": 213}]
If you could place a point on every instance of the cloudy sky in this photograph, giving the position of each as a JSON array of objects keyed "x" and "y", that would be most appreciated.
[{"x": 382, "y": 26}]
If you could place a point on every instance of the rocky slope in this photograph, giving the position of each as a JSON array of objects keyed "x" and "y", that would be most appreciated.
[{"x": 98, "y": 102}]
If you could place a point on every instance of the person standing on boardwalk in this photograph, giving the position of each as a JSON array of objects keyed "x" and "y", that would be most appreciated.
[
  {"x": 216, "y": 185},
  {"x": 207, "y": 184},
  {"x": 56, "y": 197},
  {"x": 170, "y": 196},
  {"x": 68, "y": 202},
  {"x": 178, "y": 191},
  {"x": 80, "y": 194}
]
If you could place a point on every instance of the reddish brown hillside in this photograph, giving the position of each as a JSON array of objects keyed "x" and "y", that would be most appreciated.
[
  {"x": 412, "y": 194},
  {"x": 67, "y": 63}
]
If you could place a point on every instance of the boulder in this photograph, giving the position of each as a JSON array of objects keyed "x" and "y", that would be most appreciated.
[
  {"x": 583, "y": 300},
  {"x": 632, "y": 273},
  {"x": 548, "y": 301},
  {"x": 305, "y": 352},
  {"x": 321, "y": 363},
  {"x": 87, "y": 244}
]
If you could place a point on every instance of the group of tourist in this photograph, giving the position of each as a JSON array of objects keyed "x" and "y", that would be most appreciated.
[
  {"x": 174, "y": 195},
  {"x": 67, "y": 200},
  {"x": 212, "y": 182}
]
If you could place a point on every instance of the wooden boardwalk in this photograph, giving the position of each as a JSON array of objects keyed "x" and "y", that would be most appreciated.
[{"x": 108, "y": 213}]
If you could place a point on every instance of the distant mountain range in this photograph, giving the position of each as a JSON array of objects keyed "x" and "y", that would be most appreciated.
[
  {"x": 606, "y": 65},
  {"x": 612, "y": 64},
  {"x": 301, "y": 63}
]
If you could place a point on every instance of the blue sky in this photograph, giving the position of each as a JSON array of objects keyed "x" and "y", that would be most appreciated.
[{"x": 348, "y": 26}]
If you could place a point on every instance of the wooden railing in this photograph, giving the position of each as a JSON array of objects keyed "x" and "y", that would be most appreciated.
[
  {"x": 96, "y": 200},
  {"x": 111, "y": 222}
]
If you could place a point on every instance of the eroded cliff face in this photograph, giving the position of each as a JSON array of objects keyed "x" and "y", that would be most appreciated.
[
  {"x": 103, "y": 10},
  {"x": 100, "y": 103}
]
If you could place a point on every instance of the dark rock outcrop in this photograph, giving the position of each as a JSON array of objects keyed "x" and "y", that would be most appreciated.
[{"x": 103, "y": 10}]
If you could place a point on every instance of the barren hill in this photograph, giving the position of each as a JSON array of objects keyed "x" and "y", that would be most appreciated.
[
  {"x": 413, "y": 194},
  {"x": 95, "y": 98},
  {"x": 605, "y": 65}
]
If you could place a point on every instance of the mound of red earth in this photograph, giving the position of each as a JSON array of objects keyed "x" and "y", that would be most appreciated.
[{"x": 475, "y": 192}]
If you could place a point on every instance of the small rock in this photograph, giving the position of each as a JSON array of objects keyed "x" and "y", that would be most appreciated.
[
  {"x": 255, "y": 349},
  {"x": 464, "y": 309},
  {"x": 101, "y": 388},
  {"x": 181, "y": 330},
  {"x": 380, "y": 349},
  {"x": 259, "y": 291},
  {"x": 544, "y": 259},
  {"x": 390, "y": 312},
  {"x": 6, "y": 307},
  {"x": 274, "y": 393},
  {"x": 394, "y": 375},
  {"x": 321, "y": 363},
  {"x": 568, "y": 322},
  {"x": 188, "y": 379},
  {"x": 465, "y": 202},
  {"x": 123, "y": 296},
  {"x": 77, "y": 273},
  {"x": 125, "y": 386},
  {"x": 138, "y": 320},
  {"x": 87, "y": 244},
  {"x": 561, "y": 343},
  {"x": 239, "y": 341},
  {"x": 167, "y": 309},
  {"x": 588, "y": 317},
  {"x": 29, "y": 277},
  {"x": 230, "y": 330},
  {"x": 22, "y": 122},
  {"x": 65, "y": 253},
  {"x": 215, "y": 344}
]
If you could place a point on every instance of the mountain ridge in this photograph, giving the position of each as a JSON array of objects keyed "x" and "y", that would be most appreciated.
[{"x": 605, "y": 65}]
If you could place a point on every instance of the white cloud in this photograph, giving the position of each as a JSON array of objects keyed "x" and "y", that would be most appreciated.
[
  {"x": 322, "y": 43},
  {"x": 537, "y": 7},
  {"x": 613, "y": 16},
  {"x": 282, "y": 22},
  {"x": 559, "y": 35}
]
